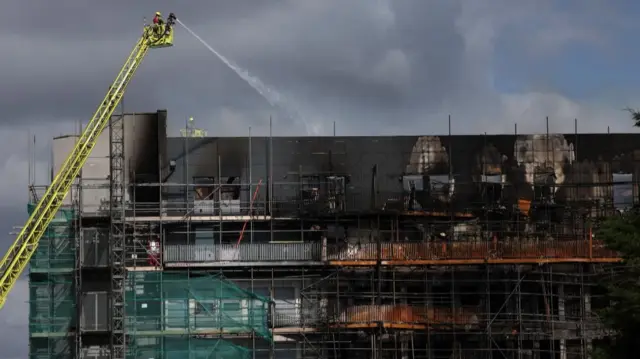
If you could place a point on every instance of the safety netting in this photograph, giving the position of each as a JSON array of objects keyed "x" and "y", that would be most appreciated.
[
  {"x": 52, "y": 301},
  {"x": 51, "y": 304},
  {"x": 48, "y": 348},
  {"x": 180, "y": 347},
  {"x": 56, "y": 251},
  {"x": 179, "y": 303}
]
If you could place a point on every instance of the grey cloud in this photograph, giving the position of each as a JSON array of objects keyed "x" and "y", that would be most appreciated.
[
  {"x": 310, "y": 51},
  {"x": 344, "y": 61},
  {"x": 70, "y": 82},
  {"x": 76, "y": 21},
  {"x": 59, "y": 59}
]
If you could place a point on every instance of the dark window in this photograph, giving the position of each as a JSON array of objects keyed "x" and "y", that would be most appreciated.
[
  {"x": 416, "y": 181},
  {"x": 206, "y": 307},
  {"x": 204, "y": 188},
  {"x": 622, "y": 191}
]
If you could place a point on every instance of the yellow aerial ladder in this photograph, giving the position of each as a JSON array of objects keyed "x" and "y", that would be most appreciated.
[{"x": 19, "y": 254}]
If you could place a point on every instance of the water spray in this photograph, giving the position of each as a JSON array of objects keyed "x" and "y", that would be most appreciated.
[{"x": 273, "y": 97}]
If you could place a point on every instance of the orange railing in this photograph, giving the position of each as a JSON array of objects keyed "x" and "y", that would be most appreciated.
[
  {"x": 405, "y": 316},
  {"x": 472, "y": 252}
]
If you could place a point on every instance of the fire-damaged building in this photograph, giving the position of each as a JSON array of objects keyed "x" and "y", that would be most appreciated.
[{"x": 348, "y": 247}]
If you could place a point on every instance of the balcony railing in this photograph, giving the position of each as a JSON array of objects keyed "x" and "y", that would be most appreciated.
[
  {"x": 467, "y": 318},
  {"x": 514, "y": 250},
  {"x": 186, "y": 255},
  {"x": 398, "y": 315},
  {"x": 396, "y": 253}
]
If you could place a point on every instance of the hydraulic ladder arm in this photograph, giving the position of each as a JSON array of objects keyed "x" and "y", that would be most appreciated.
[{"x": 17, "y": 257}]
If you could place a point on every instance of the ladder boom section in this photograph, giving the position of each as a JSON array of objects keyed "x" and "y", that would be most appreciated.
[{"x": 17, "y": 257}]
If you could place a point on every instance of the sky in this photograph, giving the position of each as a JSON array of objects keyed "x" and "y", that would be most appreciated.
[{"x": 371, "y": 66}]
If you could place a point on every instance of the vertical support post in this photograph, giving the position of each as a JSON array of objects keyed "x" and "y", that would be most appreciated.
[
  {"x": 562, "y": 319},
  {"x": 78, "y": 246},
  {"x": 270, "y": 186},
  {"x": 29, "y": 164},
  {"x": 117, "y": 237},
  {"x": 583, "y": 333},
  {"x": 428, "y": 296},
  {"x": 489, "y": 339},
  {"x": 250, "y": 186},
  {"x": 588, "y": 343},
  {"x": 590, "y": 243},
  {"x": 379, "y": 280},
  {"x": 552, "y": 311},
  {"x": 452, "y": 292},
  {"x": 187, "y": 183},
  {"x": 519, "y": 308},
  {"x": 452, "y": 180},
  {"x": 575, "y": 154}
]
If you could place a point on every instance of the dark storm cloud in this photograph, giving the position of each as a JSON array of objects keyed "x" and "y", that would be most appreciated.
[
  {"x": 72, "y": 20},
  {"x": 69, "y": 81},
  {"x": 371, "y": 56},
  {"x": 59, "y": 59},
  {"x": 336, "y": 60},
  {"x": 405, "y": 55}
]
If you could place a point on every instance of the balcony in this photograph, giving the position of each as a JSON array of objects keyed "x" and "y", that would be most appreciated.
[
  {"x": 473, "y": 252},
  {"x": 407, "y": 317},
  {"x": 390, "y": 254},
  {"x": 255, "y": 254},
  {"x": 470, "y": 319}
]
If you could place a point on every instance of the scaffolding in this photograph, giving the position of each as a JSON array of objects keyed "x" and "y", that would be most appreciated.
[
  {"x": 56, "y": 250},
  {"x": 51, "y": 304},
  {"x": 51, "y": 348},
  {"x": 516, "y": 311},
  {"x": 492, "y": 269},
  {"x": 169, "y": 347},
  {"x": 433, "y": 259},
  {"x": 52, "y": 295},
  {"x": 166, "y": 310}
]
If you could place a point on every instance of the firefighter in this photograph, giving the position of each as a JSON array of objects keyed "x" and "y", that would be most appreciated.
[{"x": 158, "y": 22}]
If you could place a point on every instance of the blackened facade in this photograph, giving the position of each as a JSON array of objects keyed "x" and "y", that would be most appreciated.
[{"x": 361, "y": 247}]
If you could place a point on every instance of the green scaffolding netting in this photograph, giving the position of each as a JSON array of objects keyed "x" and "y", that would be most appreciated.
[
  {"x": 164, "y": 309},
  {"x": 51, "y": 348},
  {"x": 56, "y": 247},
  {"x": 180, "y": 303},
  {"x": 156, "y": 347},
  {"x": 51, "y": 304}
]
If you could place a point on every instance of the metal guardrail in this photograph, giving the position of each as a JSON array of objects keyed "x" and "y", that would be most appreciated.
[
  {"x": 470, "y": 250},
  {"x": 245, "y": 252},
  {"x": 282, "y": 253}
]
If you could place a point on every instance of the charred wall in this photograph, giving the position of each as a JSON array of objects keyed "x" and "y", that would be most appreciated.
[
  {"x": 145, "y": 142},
  {"x": 459, "y": 170},
  {"x": 145, "y": 150}
]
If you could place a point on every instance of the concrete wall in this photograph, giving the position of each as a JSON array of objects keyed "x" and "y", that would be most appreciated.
[
  {"x": 144, "y": 138},
  {"x": 145, "y": 148}
]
